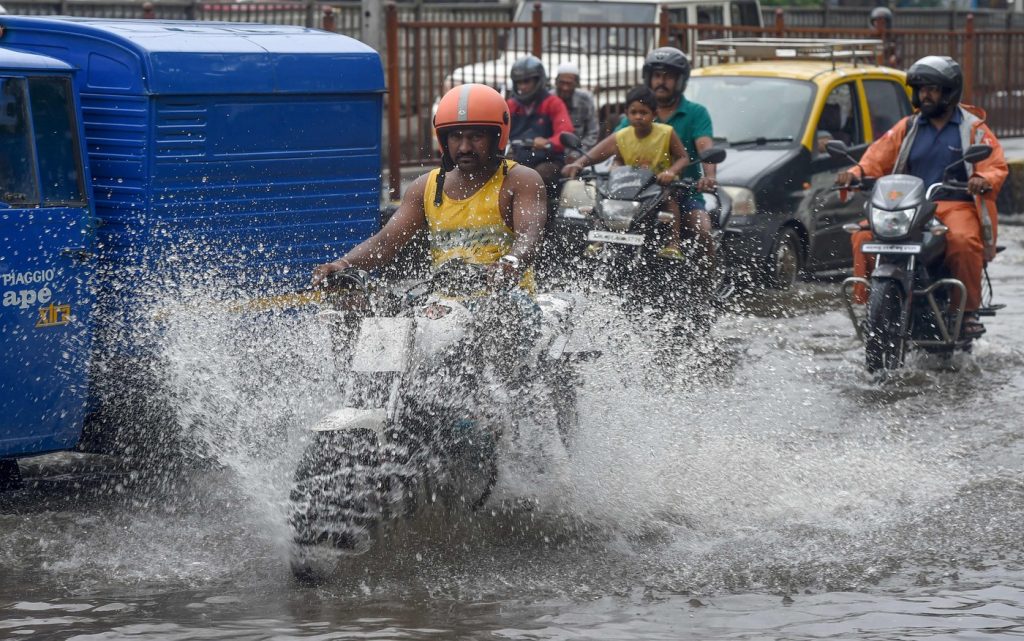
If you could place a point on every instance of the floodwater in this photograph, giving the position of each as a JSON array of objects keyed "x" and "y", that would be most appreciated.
[{"x": 763, "y": 488}]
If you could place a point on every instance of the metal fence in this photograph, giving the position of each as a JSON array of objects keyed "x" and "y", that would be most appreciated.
[
  {"x": 903, "y": 17},
  {"x": 423, "y": 57}
]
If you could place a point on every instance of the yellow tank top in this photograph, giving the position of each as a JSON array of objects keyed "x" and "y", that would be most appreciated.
[
  {"x": 471, "y": 229},
  {"x": 652, "y": 152}
]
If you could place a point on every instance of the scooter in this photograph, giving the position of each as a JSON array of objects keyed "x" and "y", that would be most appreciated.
[
  {"x": 616, "y": 216},
  {"x": 913, "y": 302},
  {"x": 427, "y": 372}
]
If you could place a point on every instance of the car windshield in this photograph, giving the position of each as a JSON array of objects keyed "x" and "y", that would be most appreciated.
[
  {"x": 591, "y": 40},
  {"x": 754, "y": 110}
]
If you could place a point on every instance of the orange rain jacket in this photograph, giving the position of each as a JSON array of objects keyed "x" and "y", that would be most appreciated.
[{"x": 888, "y": 155}]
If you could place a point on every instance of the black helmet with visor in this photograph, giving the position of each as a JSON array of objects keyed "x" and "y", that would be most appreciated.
[
  {"x": 940, "y": 71},
  {"x": 668, "y": 59},
  {"x": 526, "y": 68}
]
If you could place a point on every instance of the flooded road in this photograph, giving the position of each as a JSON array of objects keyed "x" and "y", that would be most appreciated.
[{"x": 766, "y": 487}]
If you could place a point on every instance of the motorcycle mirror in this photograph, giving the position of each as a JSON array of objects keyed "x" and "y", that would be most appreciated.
[
  {"x": 837, "y": 149},
  {"x": 977, "y": 152},
  {"x": 712, "y": 155},
  {"x": 571, "y": 141}
]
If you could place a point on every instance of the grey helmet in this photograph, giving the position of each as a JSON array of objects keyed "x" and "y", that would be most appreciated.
[
  {"x": 525, "y": 68},
  {"x": 942, "y": 71},
  {"x": 668, "y": 59},
  {"x": 881, "y": 13}
]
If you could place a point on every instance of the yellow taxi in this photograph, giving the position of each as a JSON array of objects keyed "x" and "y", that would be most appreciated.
[{"x": 775, "y": 111}]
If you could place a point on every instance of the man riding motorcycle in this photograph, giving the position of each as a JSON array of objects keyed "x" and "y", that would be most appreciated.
[
  {"x": 478, "y": 206},
  {"x": 666, "y": 71},
  {"x": 539, "y": 118},
  {"x": 923, "y": 145}
]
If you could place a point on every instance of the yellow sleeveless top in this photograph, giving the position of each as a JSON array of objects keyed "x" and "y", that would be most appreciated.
[
  {"x": 471, "y": 229},
  {"x": 653, "y": 152}
]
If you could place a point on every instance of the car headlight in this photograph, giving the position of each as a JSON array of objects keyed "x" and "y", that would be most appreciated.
[
  {"x": 891, "y": 224},
  {"x": 743, "y": 201},
  {"x": 618, "y": 214}
]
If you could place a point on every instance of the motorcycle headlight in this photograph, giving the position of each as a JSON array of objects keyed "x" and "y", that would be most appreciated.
[
  {"x": 618, "y": 214},
  {"x": 743, "y": 201},
  {"x": 891, "y": 224}
]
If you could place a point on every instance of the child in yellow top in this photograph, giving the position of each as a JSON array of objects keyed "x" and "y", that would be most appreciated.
[{"x": 648, "y": 145}]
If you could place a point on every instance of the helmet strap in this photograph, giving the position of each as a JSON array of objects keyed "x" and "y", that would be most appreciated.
[{"x": 439, "y": 187}]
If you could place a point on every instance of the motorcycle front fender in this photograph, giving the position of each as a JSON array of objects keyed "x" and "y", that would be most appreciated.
[
  {"x": 351, "y": 418},
  {"x": 890, "y": 271}
]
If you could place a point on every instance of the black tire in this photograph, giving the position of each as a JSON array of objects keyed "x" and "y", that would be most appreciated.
[
  {"x": 10, "y": 476},
  {"x": 785, "y": 262},
  {"x": 337, "y": 499},
  {"x": 884, "y": 340}
]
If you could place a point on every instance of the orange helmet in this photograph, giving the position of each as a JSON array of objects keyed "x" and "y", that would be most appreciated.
[{"x": 472, "y": 105}]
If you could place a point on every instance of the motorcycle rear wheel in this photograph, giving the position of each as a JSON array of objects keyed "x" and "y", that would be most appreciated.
[{"x": 885, "y": 341}]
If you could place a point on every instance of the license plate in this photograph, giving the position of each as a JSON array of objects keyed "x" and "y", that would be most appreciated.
[
  {"x": 884, "y": 248},
  {"x": 613, "y": 237},
  {"x": 383, "y": 345}
]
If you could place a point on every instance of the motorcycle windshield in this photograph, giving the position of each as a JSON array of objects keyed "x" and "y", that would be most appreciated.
[
  {"x": 898, "y": 191},
  {"x": 627, "y": 183}
]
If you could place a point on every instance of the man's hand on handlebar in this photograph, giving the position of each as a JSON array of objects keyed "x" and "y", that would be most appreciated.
[
  {"x": 541, "y": 143},
  {"x": 846, "y": 178},
  {"x": 504, "y": 273},
  {"x": 572, "y": 169},
  {"x": 978, "y": 185},
  {"x": 323, "y": 271}
]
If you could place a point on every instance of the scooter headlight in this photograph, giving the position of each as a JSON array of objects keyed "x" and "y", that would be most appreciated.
[
  {"x": 891, "y": 224},
  {"x": 618, "y": 214}
]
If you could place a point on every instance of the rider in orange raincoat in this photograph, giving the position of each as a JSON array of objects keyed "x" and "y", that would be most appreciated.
[{"x": 923, "y": 145}]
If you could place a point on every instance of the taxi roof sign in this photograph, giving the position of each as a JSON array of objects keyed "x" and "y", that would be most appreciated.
[{"x": 791, "y": 48}]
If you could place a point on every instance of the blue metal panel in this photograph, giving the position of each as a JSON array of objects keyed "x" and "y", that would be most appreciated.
[
  {"x": 21, "y": 61},
  {"x": 278, "y": 202},
  {"x": 179, "y": 57},
  {"x": 44, "y": 334}
]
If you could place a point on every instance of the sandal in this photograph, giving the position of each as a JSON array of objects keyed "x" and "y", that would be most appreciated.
[
  {"x": 971, "y": 327},
  {"x": 671, "y": 253}
]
